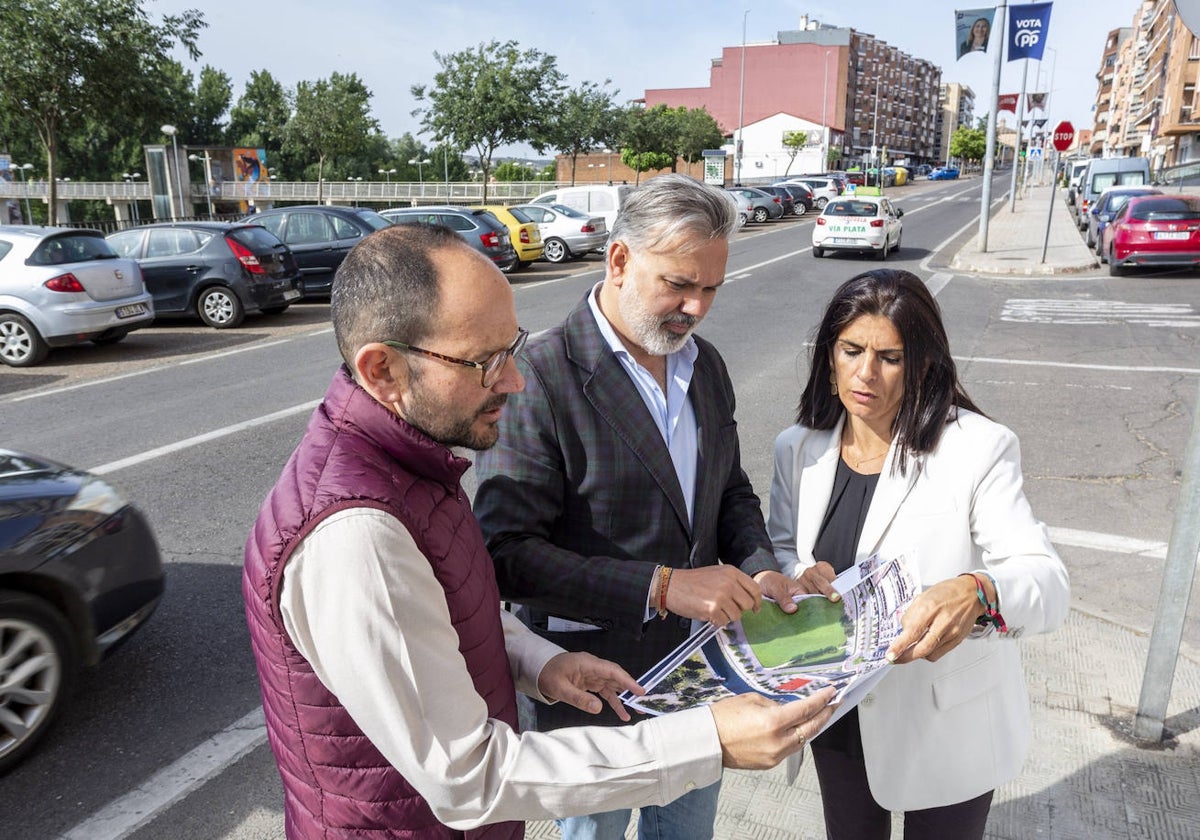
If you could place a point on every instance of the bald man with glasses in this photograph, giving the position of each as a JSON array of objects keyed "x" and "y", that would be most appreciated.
[{"x": 388, "y": 671}]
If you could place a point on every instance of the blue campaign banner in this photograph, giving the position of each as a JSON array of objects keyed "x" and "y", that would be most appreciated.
[{"x": 1028, "y": 26}]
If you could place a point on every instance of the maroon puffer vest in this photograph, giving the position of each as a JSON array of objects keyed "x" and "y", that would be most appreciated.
[{"x": 356, "y": 453}]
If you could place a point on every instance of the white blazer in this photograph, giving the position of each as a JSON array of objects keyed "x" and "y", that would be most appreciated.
[{"x": 938, "y": 733}]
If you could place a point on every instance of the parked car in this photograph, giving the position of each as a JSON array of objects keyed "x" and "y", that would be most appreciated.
[
  {"x": 764, "y": 206},
  {"x": 319, "y": 237},
  {"x": 1103, "y": 173},
  {"x": 1075, "y": 170},
  {"x": 479, "y": 228},
  {"x": 1154, "y": 230},
  {"x": 593, "y": 199},
  {"x": 1105, "y": 207},
  {"x": 859, "y": 223},
  {"x": 842, "y": 181},
  {"x": 61, "y": 286},
  {"x": 786, "y": 197},
  {"x": 922, "y": 170},
  {"x": 744, "y": 207},
  {"x": 216, "y": 271},
  {"x": 943, "y": 173},
  {"x": 79, "y": 572},
  {"x": 802, "y": 197},
  {"x": 522, "y": 231},
  {"x": 856, "y": 177},
  {"x": 566, "y": 233},
  {"x": 823, "y": 190}
]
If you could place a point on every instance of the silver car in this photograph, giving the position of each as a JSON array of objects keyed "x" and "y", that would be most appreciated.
[
  {"x": 567, "y": 233},
  {"x": 61, "y": 286}
]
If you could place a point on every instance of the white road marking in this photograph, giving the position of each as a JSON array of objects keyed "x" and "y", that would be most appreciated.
[
  {"x": 1078, "y": 366},
  {"x": 125, "y": 815},
  {"x": 1154, "y": 549},
  {"x": 187, "y": 443},
  {"x": 938, "y": 282},
  {"x": 1093, "y": 312}
]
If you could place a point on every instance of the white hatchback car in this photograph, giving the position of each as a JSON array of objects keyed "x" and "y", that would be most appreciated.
[
  {"x": 61, "y": 286},
  {"x": 862, "y": 223}
]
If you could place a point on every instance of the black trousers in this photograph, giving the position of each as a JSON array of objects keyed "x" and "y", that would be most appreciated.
[{"x": 851, "y": 813}]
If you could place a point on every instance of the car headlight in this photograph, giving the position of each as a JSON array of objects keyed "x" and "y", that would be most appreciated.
[{"x": 97, "y": 496}]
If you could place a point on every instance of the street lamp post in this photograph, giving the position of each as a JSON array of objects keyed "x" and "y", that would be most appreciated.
[
  {"x": 23, "y": 168},
  {"x": 130, "y": 177},
  {"x": 171, "y": 131},
  {"x": 355, "y": 180},
  {"x": 207, "y": 178},
  {"x": 741, "y": 106},
  {"x": 389, "y": 173},
  {"x": 419, "y": 163}
]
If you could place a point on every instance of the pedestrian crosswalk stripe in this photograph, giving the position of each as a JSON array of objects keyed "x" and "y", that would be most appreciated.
[{"x": 1095, "y": 312}]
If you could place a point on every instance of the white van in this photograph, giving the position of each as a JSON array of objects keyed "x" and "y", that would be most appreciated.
[
  {"x": 1102, "y": 173},
  {"x": 594, "y": 200}
]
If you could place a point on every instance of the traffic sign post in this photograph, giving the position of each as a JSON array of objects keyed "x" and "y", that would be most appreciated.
[{"x": 1064, "y": 136}]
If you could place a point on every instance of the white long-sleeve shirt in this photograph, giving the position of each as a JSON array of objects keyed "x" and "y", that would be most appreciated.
[{"x": 362, "y": 605}]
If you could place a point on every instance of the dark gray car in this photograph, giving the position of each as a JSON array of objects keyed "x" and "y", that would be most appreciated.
[
  {"x": 479, "y": 228},
  {"x": 319, "y": 236},
  {"x": 218, "y": 271}
]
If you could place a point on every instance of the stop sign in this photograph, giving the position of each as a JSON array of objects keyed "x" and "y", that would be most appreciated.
[{"x": 1064, "y": 134}]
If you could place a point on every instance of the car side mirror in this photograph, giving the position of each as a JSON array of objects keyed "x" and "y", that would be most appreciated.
[
  {"x": 1105, "y": 217},
  {"x": 899, "y": 212}
]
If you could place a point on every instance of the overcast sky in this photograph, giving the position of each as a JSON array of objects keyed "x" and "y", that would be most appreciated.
[{"x": 638, "y": 45}]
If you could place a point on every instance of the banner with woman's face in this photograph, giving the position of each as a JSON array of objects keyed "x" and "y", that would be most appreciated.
[{"x": 973, "y": 29}]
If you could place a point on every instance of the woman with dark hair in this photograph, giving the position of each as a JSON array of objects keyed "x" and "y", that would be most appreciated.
[{"x": 889, "y": 455}]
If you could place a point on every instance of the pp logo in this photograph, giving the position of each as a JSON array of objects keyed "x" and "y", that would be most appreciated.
[{"x": 1026, "y": 38}]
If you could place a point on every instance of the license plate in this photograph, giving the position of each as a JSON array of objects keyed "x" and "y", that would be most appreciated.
[
  {"x": 291, "y": 294},
  {"x": 1171, "y": 234},
  {"x": 131, "y": 310},
  {"x": 842, "y": 240}
]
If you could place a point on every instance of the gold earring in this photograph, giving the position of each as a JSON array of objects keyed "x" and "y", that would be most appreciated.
[{"x": 833, "y": 383}]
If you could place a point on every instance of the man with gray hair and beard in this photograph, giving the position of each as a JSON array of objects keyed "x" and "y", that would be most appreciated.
[{"x": 615, "y": 505}]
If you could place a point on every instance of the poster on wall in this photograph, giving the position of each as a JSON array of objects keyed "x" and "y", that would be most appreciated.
[{"x": 249, "y": 171}]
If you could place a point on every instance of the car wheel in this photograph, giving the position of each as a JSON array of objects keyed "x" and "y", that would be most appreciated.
[
  {"x": 557, "y": 251},
  {"x": 20, "y": 344},
  {"x": 220, "y": 308},
  {"x": 821, "y": 202},
  {"x": 741, "y": 220},
  {"x": 1089, "y": 239},
  {"x": 883, "y": 251},
  {"x": 1115, "y": 269},
  {"x": 275, "y": 310},
  {"x": 37, "y": 669},
  {"x": 801, "y": 209},
  {"x": 105, "y": 340},
  {"x": 818, "y": 252},
  {"x": 761, "y": 214}
]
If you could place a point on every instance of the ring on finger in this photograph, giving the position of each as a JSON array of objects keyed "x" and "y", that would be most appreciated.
[{"x": 800, "y": 739}]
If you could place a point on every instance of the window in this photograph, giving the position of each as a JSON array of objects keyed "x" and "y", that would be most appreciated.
[
  {"x": 306, "y": 228},
  {"x": 343, "y": 229},
  {"x": 170, "y": 242}
]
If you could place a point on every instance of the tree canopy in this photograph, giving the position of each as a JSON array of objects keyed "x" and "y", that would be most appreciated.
[
  {"x": 969, "y": 143},
  {"x": 63, "y": 60},
  {"x": 585, "y": 118},
  {"x": 332, "y": 117},
  {"x": 490, "y": 96}
]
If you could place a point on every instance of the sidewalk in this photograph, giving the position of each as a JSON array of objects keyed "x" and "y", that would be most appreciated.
[
  {"x": 1016, "y": 238},
  {"x": 1085, "y": 778}
]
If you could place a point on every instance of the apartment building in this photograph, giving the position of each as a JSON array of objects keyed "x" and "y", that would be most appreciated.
[
  {"x": 956, "y": 109},
  {"x": 848, "y": 90},
  {"x": 1149, "y": 106}
]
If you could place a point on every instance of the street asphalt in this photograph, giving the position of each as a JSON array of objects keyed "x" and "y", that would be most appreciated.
[{"x": 1086, "y": 775}]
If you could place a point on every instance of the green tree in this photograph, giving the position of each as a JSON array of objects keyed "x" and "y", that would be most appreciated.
[
  {"x": 969, "y": 144},
  {"x": 61, "y": 60},
  {"x": 262, "y": 112},
  {"x": 583, "y": 120},
  {"x": 331, "y": 118},
  {"x": 489, "y": 96},
  {"x": 793, "y": 142},
  {"x": 648, "y": 139},
  {"x": 695, "y": 131},
  {"x": 210, "y": 104}
]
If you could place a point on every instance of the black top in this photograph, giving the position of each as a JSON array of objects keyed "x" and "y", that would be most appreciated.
[{"x": 837, "y": 544}]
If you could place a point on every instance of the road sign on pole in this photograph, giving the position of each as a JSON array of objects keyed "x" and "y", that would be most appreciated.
[{"x": 1064, "y": 136}]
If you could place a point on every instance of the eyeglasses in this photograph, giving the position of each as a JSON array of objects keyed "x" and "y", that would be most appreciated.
[{"x": 489, "y": 368}]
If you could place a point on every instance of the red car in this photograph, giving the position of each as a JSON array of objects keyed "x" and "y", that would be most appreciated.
[{"x": 1154, "y": 230}]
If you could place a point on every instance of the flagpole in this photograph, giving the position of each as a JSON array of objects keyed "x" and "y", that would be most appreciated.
[
  {"x": 985, "y": 201},
  {"x": 1020, "y": 136}
]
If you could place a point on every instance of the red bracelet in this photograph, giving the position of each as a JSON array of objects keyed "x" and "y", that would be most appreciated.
[{"x": 991, "y": 615}]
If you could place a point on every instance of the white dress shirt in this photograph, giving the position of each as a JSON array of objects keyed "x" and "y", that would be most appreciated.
[{"x": 362, "y": 605}]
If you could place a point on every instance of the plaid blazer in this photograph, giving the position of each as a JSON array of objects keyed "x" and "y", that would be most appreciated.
[{"x": 579, "y": 500}]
